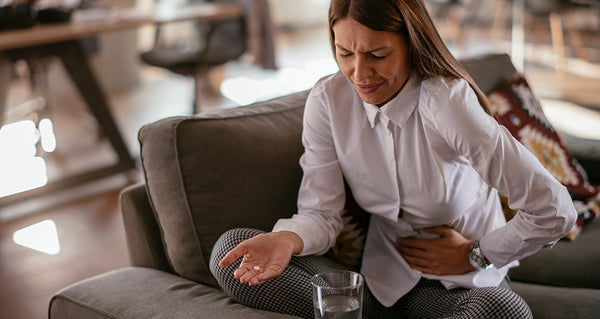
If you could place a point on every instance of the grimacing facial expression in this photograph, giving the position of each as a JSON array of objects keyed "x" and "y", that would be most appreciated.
[{"x": 375, "y": 62}]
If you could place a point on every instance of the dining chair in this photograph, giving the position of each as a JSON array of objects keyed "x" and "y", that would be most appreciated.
[{"x": 219, "y": 42}]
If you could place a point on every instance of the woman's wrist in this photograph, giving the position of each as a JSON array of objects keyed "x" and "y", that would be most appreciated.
[
  {"x": 477, "y": 258},
  {"x": 297, "y": 244}
]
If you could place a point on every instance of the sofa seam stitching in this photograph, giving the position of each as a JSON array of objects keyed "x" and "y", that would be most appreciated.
[
  {"x": 210, "y": 118},
  {"x": 160, "y": 228},
  {"x": 82, "y": 304}
]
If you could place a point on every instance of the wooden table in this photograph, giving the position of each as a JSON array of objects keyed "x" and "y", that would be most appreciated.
[{"x": 63, "y": 41}]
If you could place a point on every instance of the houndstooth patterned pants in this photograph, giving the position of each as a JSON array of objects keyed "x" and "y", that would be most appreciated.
[{"x": 291, "y": 293}]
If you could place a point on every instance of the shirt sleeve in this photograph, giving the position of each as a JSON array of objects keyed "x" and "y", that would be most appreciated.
[
  {"x": 545, "y": 208},
  {"x": 321, "y": 196}
]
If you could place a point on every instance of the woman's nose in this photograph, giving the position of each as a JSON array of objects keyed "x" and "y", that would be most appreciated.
[{"x": 362, "y": 70}]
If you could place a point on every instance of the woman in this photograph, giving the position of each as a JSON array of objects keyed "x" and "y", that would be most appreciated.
[{"x": 406, "y": 127}]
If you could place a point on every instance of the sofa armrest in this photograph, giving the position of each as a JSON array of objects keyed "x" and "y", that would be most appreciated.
[
  {"x": 144, "y": 239},
  {"x": 550, "y": 302},
  {"x": 586, "y": 151},
  {"x": 592, "y": 168},
  {"x": 568, "y": 264},
  {"x": 136, "y": 292}
]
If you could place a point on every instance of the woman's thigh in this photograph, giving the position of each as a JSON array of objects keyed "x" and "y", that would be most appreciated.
[{"x": 430, "y": 299}]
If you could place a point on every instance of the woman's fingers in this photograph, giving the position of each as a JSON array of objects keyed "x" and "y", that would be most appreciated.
[
  {"x": 446, "y": 255},
  {"x": 238, "y": 273},
  {"x": 414, "y": 243},
  {"x": 247, "y": 276},
  {"x": 269, "y": 274},
  {"x": 411, "y": 251},
  {"x": 255, "y": 275},
  {"x": 232, "y": 256},
  {"x": 264, "y": 257}
]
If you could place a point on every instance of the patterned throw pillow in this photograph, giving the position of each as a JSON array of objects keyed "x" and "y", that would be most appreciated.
[
  {"x": 350, "y": 243},
  {"x": 515, "y": 106}
]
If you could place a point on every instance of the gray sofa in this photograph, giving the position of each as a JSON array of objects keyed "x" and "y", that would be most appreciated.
[{"x": 231, "y": 168}]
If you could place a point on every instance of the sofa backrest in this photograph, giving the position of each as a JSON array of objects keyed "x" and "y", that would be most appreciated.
[
  {"x": 490, "y": 71},
  {"x": 209, "y": 173}
]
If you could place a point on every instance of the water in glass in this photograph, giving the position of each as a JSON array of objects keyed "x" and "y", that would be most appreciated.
[{"x": 338, "y": 307}]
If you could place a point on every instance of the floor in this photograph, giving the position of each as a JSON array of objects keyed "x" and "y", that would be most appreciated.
[{"x": 87, "y": 221}]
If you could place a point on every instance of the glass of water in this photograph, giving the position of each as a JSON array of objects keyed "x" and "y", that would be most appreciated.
[{"x": 338, "y": 295}]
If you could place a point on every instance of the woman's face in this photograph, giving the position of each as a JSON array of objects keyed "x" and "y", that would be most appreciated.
[{"x": 375, "y": 62}]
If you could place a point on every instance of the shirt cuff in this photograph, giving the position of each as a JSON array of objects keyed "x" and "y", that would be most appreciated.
[{"x": 309, "y": 236}]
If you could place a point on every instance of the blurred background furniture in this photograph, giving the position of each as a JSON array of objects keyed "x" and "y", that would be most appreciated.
[
  {"x": 557, "y": 13},
  {"x": 73, "y": 58},
  {"x": 447, "y": 7},
  {"x": 238, "y": 167},
  {"x": 218, "y": 42},
  {"x": 63, "y": 41},
  {"x": 536, "y": 17}
]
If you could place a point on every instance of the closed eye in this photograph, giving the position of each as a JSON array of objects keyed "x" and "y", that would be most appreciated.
[{"x": 343, "y": 52}]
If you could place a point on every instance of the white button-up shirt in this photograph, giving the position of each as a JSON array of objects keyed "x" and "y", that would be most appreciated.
[{"x": 424, "y": 159}]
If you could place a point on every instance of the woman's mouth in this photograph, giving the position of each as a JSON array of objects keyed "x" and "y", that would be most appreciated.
[{"x": 367, "y": 88}]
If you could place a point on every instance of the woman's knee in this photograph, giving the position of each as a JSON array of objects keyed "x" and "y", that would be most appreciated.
[
  {"x": 494, "y": 302},
  {"x": 289, "y": 293},
  {"x": 228, "y": 240}
]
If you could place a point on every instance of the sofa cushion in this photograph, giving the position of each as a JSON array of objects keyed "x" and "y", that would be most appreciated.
[
  {"x": 515, "y": 106},
  {"x": 349, "y": 244},
  {"x": 568, "y": 263},
  {"x": 559, "y": 302},
  {"x": 215, "y": 171},
  {"x": 132, "y": 293}
]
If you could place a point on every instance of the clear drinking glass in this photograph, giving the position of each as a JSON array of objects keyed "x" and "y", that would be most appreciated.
[{"x": 338, "y": 294}]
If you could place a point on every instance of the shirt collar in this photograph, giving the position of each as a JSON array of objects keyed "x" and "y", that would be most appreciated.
[
  {"x": 400, "y": 107},
  {"x": 372, "y": 112}
]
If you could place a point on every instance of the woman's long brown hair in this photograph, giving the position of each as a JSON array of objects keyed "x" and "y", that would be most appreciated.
[{"x": 429, "y": 54}]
